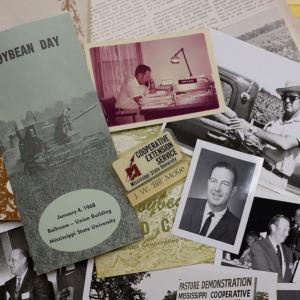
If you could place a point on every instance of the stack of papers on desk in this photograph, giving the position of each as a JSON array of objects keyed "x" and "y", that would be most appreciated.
[
  {"x": 189, "y": 98},
  {"x": 156, "y": 101},
  {"x": 156, "y": 94}
]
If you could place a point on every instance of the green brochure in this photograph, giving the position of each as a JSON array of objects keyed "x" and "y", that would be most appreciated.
[{"x": 57, "y": 148}]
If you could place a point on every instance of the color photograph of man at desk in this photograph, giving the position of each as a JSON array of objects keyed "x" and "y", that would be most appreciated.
[{"x": 149, "y": 82}]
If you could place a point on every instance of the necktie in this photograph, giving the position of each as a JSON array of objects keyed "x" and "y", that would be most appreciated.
[
  {"x": 279, "y": 256},
  {"x": 18, "y": 286},
  {"x": 297, "y": 240},
  {"x": 206, "y": 224}
]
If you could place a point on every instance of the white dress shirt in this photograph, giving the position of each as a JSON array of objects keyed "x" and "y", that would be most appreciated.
[
  {"x": 129, "y": 90},
  {"x": 22, "y": 278},
  {"x": 214, "y": 221}
]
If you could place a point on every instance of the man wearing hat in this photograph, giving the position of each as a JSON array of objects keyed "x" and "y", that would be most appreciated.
[{"x": 282, "y": 138}]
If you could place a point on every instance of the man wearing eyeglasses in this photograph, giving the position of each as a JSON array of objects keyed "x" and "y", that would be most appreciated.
[
  {"x": 282, "y": 138},
  {"x": 26, "y": 284}
]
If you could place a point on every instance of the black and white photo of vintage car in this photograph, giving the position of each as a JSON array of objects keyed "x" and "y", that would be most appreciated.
[{"x": 262, "y": 115}]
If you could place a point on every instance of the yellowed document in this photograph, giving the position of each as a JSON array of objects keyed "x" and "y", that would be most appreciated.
[
  {"x": 258, "y": 22},
  {"x": 160, "y": 183},
  {"x": 159, "y": 249},
  {"x": 14, "y": 13}
]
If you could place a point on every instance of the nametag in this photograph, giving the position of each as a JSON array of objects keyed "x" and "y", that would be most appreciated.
[
  {"x": 142, "y": 163},
  {"x": 25, "y": 295},
  {"x": 157, "y": 184},
  {"x": 150, "y": 168}
]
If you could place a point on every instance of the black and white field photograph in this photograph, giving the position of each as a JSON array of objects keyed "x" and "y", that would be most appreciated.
[
  {"x": 52, "y": 136},
  {"x": 267, "y": 30},
  {"x": 271, "y": 241},
  {"x": 148, "y": 285},
  {"x": 19, "y": 279},
  {"x": 262, "y": 115},
  {"x": 217, "y": 196}
]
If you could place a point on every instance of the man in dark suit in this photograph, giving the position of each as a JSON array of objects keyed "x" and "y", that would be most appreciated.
[
  {"x": 293, "y": 239},
  {"x": 26, "y": 284},
  {"x": 211, "y": 217},
  {"x": 2, "y": 293},
  {"x": 270, "y": 254}
]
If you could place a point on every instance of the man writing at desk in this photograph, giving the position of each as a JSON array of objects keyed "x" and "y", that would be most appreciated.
[{"x": 135, "y": 88}]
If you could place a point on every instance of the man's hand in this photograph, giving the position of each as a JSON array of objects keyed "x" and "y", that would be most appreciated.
[
  {"x": 247, "y": 134},
  {"x": 152, "y": 86},
  {"x": 283, "y": 142},
  {"x": 240, "y": 124},
  {"x": 138, "y": 100}
]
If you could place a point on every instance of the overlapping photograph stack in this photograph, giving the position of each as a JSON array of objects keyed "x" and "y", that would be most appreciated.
[{"x": 109, "y": 78}]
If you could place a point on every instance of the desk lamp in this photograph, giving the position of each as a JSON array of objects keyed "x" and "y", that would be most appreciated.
[{"x": 175, "y": 60}]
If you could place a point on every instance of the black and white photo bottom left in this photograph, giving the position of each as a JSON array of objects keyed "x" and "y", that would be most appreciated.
[{"x": 19, "y": 280}]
